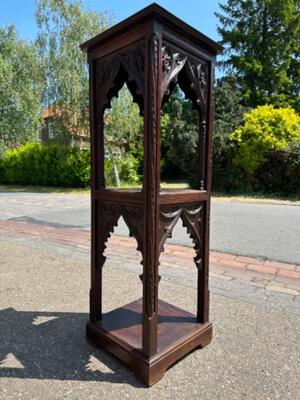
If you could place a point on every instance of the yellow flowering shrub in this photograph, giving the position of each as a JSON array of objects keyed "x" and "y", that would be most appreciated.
[{"x": 264, "y": 130}]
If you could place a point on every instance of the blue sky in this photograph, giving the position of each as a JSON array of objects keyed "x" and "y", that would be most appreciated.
[{"x": 198, "y": 13}]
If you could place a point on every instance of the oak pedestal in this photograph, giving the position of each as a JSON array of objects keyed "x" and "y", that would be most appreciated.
[{"x": 151, "y": 52}]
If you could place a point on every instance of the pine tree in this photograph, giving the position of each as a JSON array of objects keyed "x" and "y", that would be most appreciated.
[{"x": 262, "y": 44}]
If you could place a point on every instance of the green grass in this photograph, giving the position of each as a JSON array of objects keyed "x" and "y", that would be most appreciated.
[{"x": 42, "y": 189}]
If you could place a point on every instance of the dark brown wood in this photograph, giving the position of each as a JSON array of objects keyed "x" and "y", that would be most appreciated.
[
  {"x": 152, "y": 52},
  {"x": 120, "y": 332}
]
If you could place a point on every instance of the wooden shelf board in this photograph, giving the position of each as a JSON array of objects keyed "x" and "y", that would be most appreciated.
[{"x": 125, "y": 323}]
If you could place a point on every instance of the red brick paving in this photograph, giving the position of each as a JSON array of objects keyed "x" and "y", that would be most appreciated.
[{"x": 272, "y": 275}]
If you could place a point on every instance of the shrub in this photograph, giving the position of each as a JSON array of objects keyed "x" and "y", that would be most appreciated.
[
  {"x": 280, "y": 173},
  {"x": 265, "y": 129},
  {"x": 127, "y": 166},
  {"x": 53, "y": 165}
]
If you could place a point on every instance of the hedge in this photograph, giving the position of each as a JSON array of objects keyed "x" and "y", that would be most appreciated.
[
  {"x": 54, "y": 165},
  {"x": 36, "y": 164}
]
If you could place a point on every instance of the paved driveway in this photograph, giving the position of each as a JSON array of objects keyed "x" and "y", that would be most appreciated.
[
  {"x": 260, "y": 230},
  {"x": 44, "y": 355}
]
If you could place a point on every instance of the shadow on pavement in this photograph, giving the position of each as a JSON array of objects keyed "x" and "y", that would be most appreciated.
[
  {"x": 35, "y": 221},
  {"x": 46, "y": 345}
]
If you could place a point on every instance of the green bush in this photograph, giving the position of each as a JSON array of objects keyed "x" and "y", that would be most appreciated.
[
  {"x": 265, "y": 129},
  {"x": 280, "y": 173},
  {"x": 53, "y": 165},
  {"x": 56, "y": 165},
  {"x": 127, "y": 166}
]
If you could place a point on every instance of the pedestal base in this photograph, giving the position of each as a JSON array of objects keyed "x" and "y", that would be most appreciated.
[{"x": 120, "y": 333}]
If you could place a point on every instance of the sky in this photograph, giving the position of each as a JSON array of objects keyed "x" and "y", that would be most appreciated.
[{"x": 198, "y": 13}]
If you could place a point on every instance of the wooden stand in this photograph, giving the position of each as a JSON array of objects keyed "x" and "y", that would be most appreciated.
[{"x": 151, "y": 51}]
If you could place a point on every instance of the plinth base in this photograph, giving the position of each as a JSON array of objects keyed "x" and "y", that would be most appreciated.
[{"x": 120, "y": 333}]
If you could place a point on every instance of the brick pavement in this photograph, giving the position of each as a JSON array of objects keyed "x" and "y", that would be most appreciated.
[{"x": 273, "y": 276}]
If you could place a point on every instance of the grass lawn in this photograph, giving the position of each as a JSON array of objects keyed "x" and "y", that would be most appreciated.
[
  {"x": 218, "y": 197},
  {"x": 42, "y": 189}
]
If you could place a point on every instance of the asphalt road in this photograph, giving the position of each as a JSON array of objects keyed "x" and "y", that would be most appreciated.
[{"x": 260, "y": 230}]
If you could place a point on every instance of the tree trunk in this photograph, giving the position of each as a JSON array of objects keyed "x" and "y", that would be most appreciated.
[{"x": 116, "y": 173}]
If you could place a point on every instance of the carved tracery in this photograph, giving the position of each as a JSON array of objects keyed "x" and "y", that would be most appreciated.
[
  {"x": 112, "y": 72},
  {"x": 108, "y": 217},
  {"x": 189, "y": 73},
  {"x": 172, "y": 63},
  {"x": 192, "y": 220}
]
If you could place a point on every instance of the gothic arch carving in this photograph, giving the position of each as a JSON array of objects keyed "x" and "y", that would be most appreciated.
[
  {"x": 168, "y": 219},
  {"x": 108, "y": 217},
  {"x": 190, "y": 74},
  {"x": 172, "y": 63},
  {"x": 192, "y": 220},
  {"x": 113, "y": 72},
  {"x": 133, "y": 217}
]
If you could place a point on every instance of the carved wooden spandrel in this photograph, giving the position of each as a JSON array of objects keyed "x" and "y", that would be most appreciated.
[
  {"x": 192, "y": 220},
  {"x": 189, "y": 73},
  {"x": 113, "y": 71},
  {"x": 108, "y": 217},
  {"x": 133, "y": 217}
]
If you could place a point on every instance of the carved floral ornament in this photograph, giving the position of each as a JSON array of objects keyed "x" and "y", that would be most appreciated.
[{"x": 173, "y": 62}]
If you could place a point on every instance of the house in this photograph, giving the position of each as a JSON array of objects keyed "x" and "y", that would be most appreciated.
[{"x": 74, "y": 138}]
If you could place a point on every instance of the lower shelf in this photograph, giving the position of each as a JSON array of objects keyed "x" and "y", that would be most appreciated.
[{"x": 120, "y": 333}]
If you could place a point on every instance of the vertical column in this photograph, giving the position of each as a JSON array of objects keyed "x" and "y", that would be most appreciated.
[
  {"x": 97, "y": 178},
  {"x": 151, "y": 193},
  {"x": 203, "y": 272}
]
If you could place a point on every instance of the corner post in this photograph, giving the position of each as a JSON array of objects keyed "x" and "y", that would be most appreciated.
[
  {"x": 203, "y": 272},
  {"x": 151, "y": 185},
  {"x": 96, "y": 134}
]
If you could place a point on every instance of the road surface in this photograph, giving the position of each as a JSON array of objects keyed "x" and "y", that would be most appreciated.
[{"x": 260, "y": 230}]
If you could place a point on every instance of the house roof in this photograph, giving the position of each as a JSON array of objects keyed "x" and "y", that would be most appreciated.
[{"x": 157, "y": 12}]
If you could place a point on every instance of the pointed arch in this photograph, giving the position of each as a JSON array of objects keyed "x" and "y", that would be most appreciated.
[
  {"x": 192, "y": 220},
  {"x": 112, "y": 73},
  {"x": 189, "y": 74}
]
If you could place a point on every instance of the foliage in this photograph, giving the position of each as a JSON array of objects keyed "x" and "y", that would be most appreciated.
[
  {"x": 229, "y": 113},
  {"x": 53, "y": 165},
  {"x": 127, "y": 167},
  {"x": 280, "y": 173},
  {"x": 62, "y": 26},
  {"x": 179, "y": 139},
  {"x": 265, "y": 129},
  {"x": 123, "y": 136},
  {"x": 263, "y": 49},
  {"x": 20, "y": 91}
]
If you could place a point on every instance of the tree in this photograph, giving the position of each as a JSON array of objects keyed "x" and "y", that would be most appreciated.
[
  {"x": 62, "y": 27},
  {"x": 20, "y": 90},
  {"x": 263, "y": 49},
  {"x": 229, "y": 113},
  {"x": 179, "y": 138},
  {"x": 264, "y": 130},
  {"x": 123, "y": 134}
]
